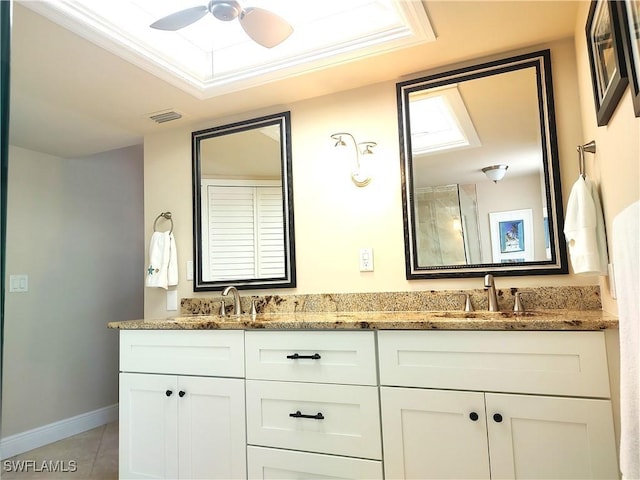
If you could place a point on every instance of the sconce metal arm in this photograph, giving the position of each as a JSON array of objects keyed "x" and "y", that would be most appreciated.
[{"x": 357, "y": 176}]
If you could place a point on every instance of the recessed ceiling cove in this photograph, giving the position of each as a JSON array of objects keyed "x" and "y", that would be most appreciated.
[{"x": 211, "y": 57}]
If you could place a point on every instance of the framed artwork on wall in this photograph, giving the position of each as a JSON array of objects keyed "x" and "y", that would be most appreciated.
[
  {"x": 606, "y": 57},
  {"x": 512, "y": 236},
  {"x": 630, "y": 23}
]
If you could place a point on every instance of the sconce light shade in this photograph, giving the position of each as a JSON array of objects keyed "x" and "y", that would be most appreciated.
[
  {"x": 359, "y": 176},
  {"x": 495, "y": 172}
]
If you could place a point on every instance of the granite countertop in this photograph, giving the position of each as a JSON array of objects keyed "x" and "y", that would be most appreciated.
[{"x": 393, "y": 320}]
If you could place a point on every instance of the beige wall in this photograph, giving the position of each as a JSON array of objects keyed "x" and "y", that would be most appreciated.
[
  {"x": 616, "y": 169},
  {"x": 74, "y": 226},
  {"x": 616, "y": 164},
  {"x": 334, "y": 219}
]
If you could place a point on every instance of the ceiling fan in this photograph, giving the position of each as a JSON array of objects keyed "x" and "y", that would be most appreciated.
[{"x": 263, "y": 26}]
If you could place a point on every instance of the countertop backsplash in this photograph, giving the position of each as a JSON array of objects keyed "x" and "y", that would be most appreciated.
[{"x": 535, "y": 298}]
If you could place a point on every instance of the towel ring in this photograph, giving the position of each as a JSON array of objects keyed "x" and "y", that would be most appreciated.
[{"x": 166, "y": 216}]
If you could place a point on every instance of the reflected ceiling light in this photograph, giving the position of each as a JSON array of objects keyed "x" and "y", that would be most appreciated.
[
  {"x": 358, "y": 174},
  {"x": 495, "y": 172}
]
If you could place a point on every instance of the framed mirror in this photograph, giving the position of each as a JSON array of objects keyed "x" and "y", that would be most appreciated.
[
  {"x": 480, "y": 174},
  {"x": 243, "y": 205}
]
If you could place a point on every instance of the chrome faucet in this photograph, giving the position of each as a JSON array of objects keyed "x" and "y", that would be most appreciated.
[
  {"x": 237, "y": 309},
  {"x": 490, "y": 287},
  {"x": 467, "y": 302}
]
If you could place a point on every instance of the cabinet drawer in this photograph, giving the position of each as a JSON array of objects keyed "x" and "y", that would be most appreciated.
[
  {"x": 271, "y": 463},
  {"x": 336, "y": 357},
  {"x": 185, "y": 352},
  {"x": 350, "y": 423},
  {"x": 554, "y": 363}
]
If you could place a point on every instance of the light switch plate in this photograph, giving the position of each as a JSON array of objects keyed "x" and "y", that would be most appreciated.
[
  {"x": 19, "y": 283},
  {"x": 366, "y": 259}
]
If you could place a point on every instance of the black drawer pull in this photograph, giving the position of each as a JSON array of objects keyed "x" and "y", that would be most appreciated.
[
  {"x": 497, "y": 417},
  {"x": 296, "y": 356},
  {"x": 182, "y": 393},
  {"x": 168, "y": 393},
  {"x": 473, "y": 416},
  {"x": 317, "y": 416}
]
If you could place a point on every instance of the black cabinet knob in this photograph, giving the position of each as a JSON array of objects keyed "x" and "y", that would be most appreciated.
[
  {"x": 473, "y": 416},
  {"x": 497, "y": 417},
  {"x": 181, "y": 393},
  {"x": 168, "y": 393}
]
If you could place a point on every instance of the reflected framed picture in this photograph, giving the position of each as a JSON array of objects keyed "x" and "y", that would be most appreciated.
[
  {"x": 512, "y": 236},
  {"x": 606, "y": 57},
  {"x": 630, "y": 23}
]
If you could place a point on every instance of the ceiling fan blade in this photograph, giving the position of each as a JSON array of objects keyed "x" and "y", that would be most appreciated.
[
  {"x": 180, "y": 19},
  {"x": 265, "y": 27}
]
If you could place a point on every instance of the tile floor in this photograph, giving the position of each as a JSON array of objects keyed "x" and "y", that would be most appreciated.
[{"x": 92, "y": 454}]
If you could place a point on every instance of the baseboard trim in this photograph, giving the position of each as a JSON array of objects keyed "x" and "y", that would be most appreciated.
[{"x": 38, "y": 437}]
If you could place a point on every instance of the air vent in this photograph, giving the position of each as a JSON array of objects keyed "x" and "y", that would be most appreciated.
[{"x": 162, "y": 117}]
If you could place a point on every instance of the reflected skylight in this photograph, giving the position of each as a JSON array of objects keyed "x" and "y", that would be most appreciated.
[
  {"x": 440, "y": 121},
  {"x": 212, "y": 57}
]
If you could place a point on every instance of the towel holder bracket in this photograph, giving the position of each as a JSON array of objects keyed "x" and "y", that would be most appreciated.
[
  {"x": 166, "y": 216},
  {"x": 589, "y": 147}
]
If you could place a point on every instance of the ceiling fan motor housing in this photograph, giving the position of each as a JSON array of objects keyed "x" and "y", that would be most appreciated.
[{"x": 225, "y": 10}]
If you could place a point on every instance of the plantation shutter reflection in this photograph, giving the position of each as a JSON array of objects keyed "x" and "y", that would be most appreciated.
[
  {"x": 270, "y": 232},
  {"x": 244, "y": 233}
]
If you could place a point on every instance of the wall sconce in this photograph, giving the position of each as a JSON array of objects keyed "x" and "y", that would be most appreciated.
[
  {"x": 358, "y": 173},
  {"x": 495, "y": 172}
]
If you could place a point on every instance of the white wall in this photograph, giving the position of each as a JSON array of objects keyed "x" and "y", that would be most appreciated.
[
  {"x": 75, "y": 227},
  {"x": 333, "y": 218}
]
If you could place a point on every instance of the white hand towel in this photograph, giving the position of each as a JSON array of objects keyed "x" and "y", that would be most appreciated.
[
  {"x": 601, "y": 236},
  {"x": 626, "y": 261},
  {"x": 172, "y": 267},
  {"x": 159, "y": 255},
  {"x": 583, "y": 220}
]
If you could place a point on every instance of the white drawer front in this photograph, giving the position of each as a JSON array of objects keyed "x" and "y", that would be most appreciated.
[
  {"x": 184, "y": 352},
  {"x": 350, "y": 425},
  {"x": 274, "y": 464},
  {"x": 337, "y": 357},
  {"x": 554, "y": 363}
]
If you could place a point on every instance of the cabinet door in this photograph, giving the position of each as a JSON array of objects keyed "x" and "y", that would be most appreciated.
[
  {"x": 212, "y": 441},
  {"x": 550, "y": 437},
  {"x": 433, "y": 434},
  {"x": 148, "y": 426}
]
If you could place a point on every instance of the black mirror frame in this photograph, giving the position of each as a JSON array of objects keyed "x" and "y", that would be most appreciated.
[
  {"x": 282, "y": 119},
  {"x": 558, "y": 263}
]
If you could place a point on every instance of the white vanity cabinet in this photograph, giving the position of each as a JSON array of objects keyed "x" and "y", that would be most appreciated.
[
  {"x": 182, "y": 410},
  {"x": 312, "y": 405},
  {"x": 495, "y": 405}
]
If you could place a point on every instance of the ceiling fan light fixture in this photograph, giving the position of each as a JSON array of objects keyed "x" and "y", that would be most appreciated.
[
  {"x": 225, "y": 10},
  {"x": 495, "y": 173},
  {"x": 262, "y": 26}
]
